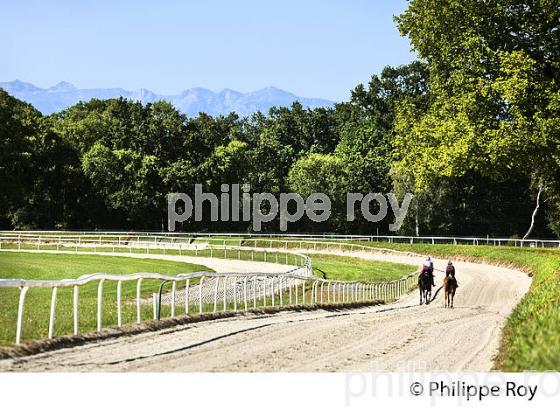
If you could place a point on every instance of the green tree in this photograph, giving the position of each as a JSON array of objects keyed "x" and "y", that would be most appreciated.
[
  {"x": 495, "y": 83},
  {"x": 19, "y": 126},
  {"x": 366, "y": 130},
  {"x": 124, "y": 148},
  {"x": 324, "y": 173}
]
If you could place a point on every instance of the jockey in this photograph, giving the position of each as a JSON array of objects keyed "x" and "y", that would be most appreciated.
[
  {"x": 450, "y": 270},
  {"x": 428, "y": 266}
]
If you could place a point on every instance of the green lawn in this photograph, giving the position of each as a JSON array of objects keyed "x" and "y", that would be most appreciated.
[
  {"x": 349, "y": 268},
  {"x": 278, "y": 255},
  {"x": 58, "y": 266},
  {"x": 334, "y": 267},
  {"x": 220, "y": 240}
]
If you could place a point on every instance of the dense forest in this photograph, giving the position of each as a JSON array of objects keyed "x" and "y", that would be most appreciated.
[{"x": 472, "y": 129}]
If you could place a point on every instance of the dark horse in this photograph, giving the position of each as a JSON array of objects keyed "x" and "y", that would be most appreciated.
[
  {"x": 425, "y": 286},
  {"x": 450, "y": 286}
]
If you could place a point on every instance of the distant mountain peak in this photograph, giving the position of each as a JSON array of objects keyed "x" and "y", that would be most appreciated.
[
  {"x": 63, "y": 86},
  {"x": 229, "y": 91},
  {"x": 272, "y": 89},
  {"x": 19, "y": 86},
  {"x": 143, "y": 94},
  {"x": 190, "y": 102}
]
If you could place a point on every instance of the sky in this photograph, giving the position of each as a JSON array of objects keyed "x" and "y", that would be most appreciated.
[{"x": 312, "y": 48}]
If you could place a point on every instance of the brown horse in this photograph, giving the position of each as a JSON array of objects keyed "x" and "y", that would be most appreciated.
[{"x": 450, "y": 286}]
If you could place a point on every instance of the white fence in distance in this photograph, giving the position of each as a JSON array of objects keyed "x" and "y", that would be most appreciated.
[{"x": 434, "y": 240}]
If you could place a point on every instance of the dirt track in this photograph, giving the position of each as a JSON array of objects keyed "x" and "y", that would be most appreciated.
[{"x": 398, "y": 337}]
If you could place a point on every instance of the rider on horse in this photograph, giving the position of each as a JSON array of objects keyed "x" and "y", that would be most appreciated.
[
  {"x": 428, "y": 266},
  {"x": 450, "y": 270}
]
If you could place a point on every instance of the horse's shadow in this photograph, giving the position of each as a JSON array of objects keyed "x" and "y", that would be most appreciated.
[
  {"x": 390, "y": 308},
  {"x": 436, "y": 293}
]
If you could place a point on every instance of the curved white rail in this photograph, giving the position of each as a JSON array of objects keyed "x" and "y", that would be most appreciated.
[{"x": 228, "y": 289}]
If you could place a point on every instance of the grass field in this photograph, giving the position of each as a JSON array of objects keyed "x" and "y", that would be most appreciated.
[
  {"x": 278, "y": 256},
  {"x": 349, "y": 268},
  {"x": 21, "y": 265},
  {"x": 15, "y": 265}
]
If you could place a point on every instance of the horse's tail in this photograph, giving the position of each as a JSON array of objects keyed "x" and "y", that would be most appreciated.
[{"x": 455, "y": 283}]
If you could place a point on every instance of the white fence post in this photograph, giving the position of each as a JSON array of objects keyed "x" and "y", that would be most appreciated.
[
  {"x": 173, "y": 291},
  {"x": 100, "y": 305},
  {"x": 52, "y": 315},
  {"x": 234, "y": 288},
  {"x": 245, "y": 293},
  {"x": 224, "y": 296},
  {"x": 138, "y": 300},
  {"x": 217, "y": 279},
  {"x": 22, "y": 294},
  {"x": 254, "y": 292},
  {"x": 187, "y": 291},
  {"x": 200, "y": 294},
  {"x": 290, "y": 287},
  {"x": 75, "y": 308},
  {"x": 119, "y": 307}
]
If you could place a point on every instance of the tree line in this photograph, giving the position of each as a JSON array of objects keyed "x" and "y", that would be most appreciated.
[{"x": 471, "y": 128}]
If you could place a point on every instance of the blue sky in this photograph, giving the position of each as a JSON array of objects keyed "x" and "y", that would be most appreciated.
[{"x": 309, "y": 47}]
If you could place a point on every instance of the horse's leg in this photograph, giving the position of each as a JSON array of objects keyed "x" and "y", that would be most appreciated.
[{"x": 452, "y": 297}]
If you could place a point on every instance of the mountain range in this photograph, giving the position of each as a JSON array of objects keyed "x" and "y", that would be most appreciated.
[{"x": 190, "y": 102}]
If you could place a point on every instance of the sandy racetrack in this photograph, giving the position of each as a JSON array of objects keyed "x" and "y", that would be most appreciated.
[{"x": 398, "y": 337}]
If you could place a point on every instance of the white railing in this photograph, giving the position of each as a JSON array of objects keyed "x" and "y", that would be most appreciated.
[
  {"x": 203, "y": 291},
  {"x": 139, "y": 244},
  {"x": 246, "y": 291},
  {"x": 305, "y": 245},
  {"x": 174, "y": 236}
]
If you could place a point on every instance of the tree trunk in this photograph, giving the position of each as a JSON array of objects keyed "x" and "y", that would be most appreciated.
[
  {"x": 417, "y": 222},
  {"x": 534, "y": 212}
]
